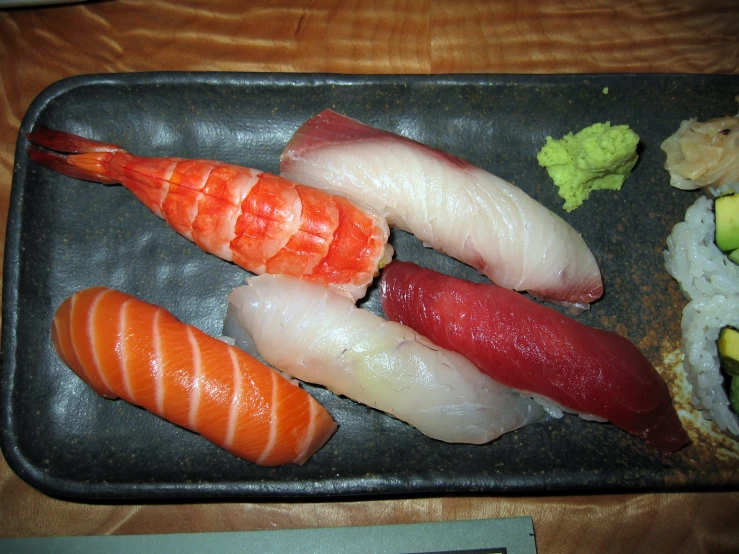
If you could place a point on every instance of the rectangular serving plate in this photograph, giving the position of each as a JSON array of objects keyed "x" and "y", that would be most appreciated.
[{"x": 64, "y": 235}]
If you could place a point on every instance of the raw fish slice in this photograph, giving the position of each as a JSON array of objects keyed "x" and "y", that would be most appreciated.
[
  {"x": 535, "y": 349},
  {"x": 449, "y": 204},
  {"x": 123, "y": 347},
  {"x": 321, "y": 337}
]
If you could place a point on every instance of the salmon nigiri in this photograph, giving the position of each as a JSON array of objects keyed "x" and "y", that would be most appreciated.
[
  {"x": 449, "y": 204},
  {"x": 536, "y": 350},
  {"x": 259, "y": 221},
  {"x": 124, "y": 347}
]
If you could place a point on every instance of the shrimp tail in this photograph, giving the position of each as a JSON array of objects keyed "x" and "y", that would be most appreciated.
[{"x": 72, "y": 155}]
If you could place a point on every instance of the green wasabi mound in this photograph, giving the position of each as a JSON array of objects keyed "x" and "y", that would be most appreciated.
[{"x": 598, "y": 157}]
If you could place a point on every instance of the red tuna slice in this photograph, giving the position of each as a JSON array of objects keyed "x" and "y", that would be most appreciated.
[{"x": 533, "y": 348}]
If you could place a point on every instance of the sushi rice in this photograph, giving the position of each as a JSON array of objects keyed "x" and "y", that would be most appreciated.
[{"x": 710, "y": 281}]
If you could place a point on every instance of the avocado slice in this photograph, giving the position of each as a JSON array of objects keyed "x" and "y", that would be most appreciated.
[
  {"x": 734, "y": 256},
  {"x": 727, "y": 222},
  {"x": 734, "y": 394},
  {"x": 728, "y": 350}
]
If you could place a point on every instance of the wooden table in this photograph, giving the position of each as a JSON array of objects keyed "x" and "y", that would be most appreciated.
[{"x": 42, "y": 45}]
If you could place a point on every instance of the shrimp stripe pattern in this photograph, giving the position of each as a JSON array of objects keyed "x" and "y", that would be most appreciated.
[
  {"x": 125, "y": 348},
  {"x": 261, "y": 222}
]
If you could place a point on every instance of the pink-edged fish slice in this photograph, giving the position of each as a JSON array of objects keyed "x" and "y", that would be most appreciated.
[{"x": 449, "y": 204}]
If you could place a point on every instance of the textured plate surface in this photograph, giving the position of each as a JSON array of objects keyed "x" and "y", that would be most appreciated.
[{"x": 64, "y": 235}]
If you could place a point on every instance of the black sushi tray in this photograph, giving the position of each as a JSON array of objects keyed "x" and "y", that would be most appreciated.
[{"x": 64, "y": 235}]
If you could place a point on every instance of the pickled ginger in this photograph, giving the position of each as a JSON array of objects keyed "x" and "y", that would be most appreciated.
[{"x": 705, "y": 155}]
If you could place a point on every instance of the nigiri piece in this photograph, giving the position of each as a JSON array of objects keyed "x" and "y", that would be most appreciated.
[
  {"x": 704, "y": 155},
  {"x": 125, "y": 348},
  {"x": 259, "y": 221},
  {"x": 536, "y": 350},
  {"x": 318, "y": 336},
  {"x": 449, "y": 204}
]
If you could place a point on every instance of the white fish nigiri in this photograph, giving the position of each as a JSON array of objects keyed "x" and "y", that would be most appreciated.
[
  {"x": 321, "y": 337},
  {"x": 449, "y": 204}
]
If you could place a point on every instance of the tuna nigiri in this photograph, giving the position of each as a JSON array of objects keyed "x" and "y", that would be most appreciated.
[
  {"x": 449, "y": 204},
  {"x": 536, "y": 350},
  {"x": 261, "y": 222},
  {"x": 318, "y": 336},
  {"x": 124, "y": 347}
]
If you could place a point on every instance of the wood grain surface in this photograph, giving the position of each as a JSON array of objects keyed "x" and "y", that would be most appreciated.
[{"x": 42, "y": 45}]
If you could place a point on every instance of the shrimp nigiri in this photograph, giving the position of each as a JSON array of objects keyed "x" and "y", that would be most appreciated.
[
  {"x": 124, "y": 347},
  {"x": 321, "y": 337},
  {"x": 536, "y": 350},
  {"x": 449, "y": 204},
  {"x": 261, "y": 222}
]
